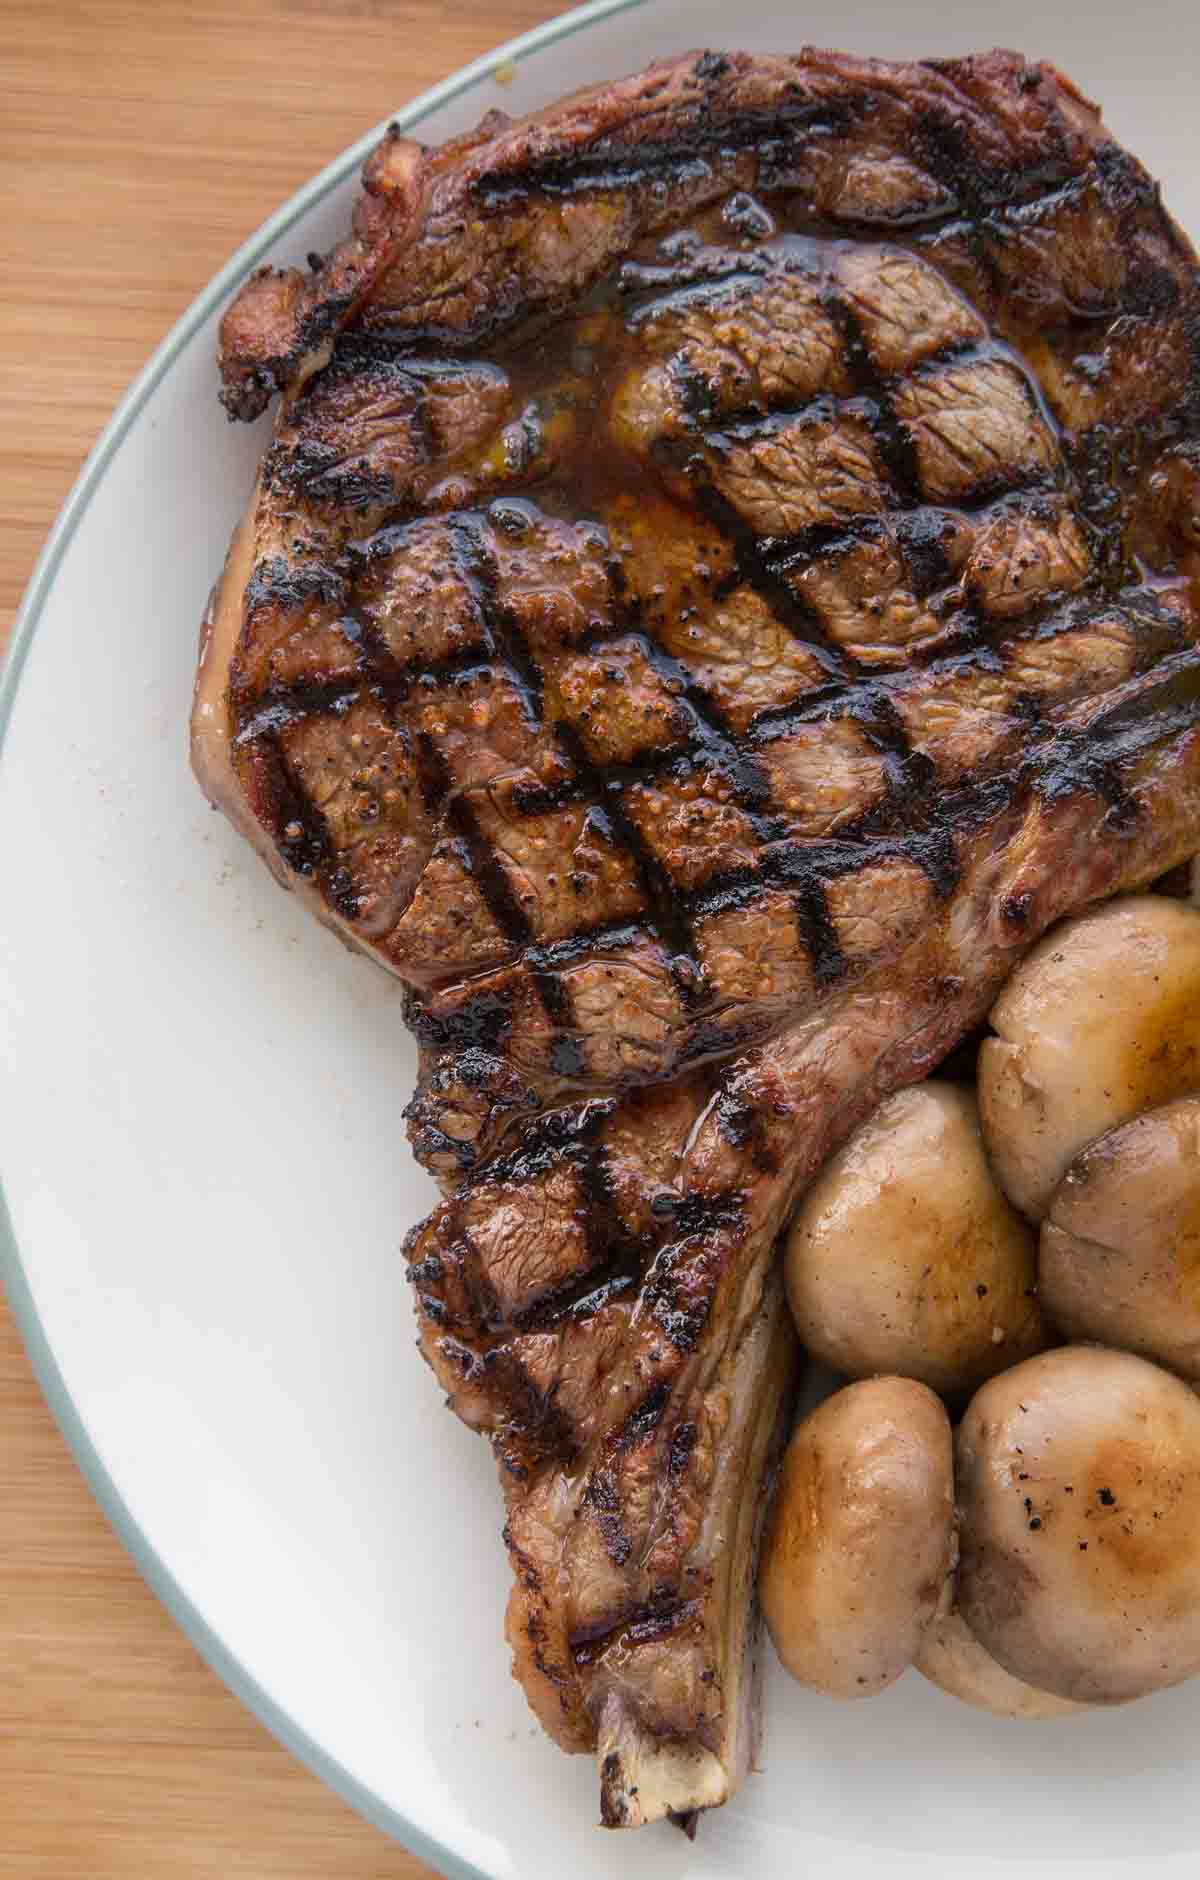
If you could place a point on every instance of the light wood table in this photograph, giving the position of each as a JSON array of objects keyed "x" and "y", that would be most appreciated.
[{"x": 140, "y": 142}]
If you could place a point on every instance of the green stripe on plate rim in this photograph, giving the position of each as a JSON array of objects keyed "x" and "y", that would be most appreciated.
[{"x": 157, "y": 1575}]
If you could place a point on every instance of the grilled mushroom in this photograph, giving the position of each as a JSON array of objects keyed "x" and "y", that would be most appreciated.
[
  {"x": 905, "y": 1256},
  {"x": 1101, "y": 1021},
  {"x": 952, "y": 1658},
  {"x": 1120, "y": 1252},
  {"x": 861, "y": 1535},
  {"x": 1079, "y": 1497}
]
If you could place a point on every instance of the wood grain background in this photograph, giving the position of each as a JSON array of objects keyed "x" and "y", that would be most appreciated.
[{"x": 140, "y": 142}]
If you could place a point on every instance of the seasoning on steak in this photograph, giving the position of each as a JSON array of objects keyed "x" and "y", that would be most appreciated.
[{"x": 724, "y": 578}]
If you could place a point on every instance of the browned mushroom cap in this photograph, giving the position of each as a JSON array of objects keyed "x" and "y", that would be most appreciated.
[
  {"x": 860, "y": 1538},
  {"x": 1101, "y": 1021},
  {"x": 1120, "y": 1254},
  {"x": 1079, "y": 1497},
  {"x": 952, "y": 1658},
  {"x": 905, "y": 1257}
]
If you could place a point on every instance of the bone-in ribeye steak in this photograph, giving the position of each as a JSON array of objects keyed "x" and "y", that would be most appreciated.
[{"x": 724, "y": 578}]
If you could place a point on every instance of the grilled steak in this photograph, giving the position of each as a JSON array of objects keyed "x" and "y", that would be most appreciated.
[{"x": 724, "y": 578}]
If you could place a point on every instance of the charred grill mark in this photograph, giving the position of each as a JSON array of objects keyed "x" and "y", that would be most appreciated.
[
  {"x": 302, "y": 832},
  {"x": 539, "y": 799},
  {"x": 681, "y": 1310},
  {"x": 1091, "y": 757},
  {"x": 479, "y": 861},
  {"x": 695, "y": 391},
  {"x": 794, "y": 865},
  {"x": 896, "y": 450},
  {"x": 481, "y": 1023},
  {"x": 754, "y": 558},
  {"x": 818, "y": 932},
  {"x": 907, "y": 772},
  {"x": 567, "y": 1056},
  {"x": 1151, "y": 710},
  {"x": 869, "y": 700},
  {"x": 602, "y": 1496},
  {"x": 873, "y": 401},
  {"x": 1013, "y": 480},
  {"x": 1096, "y": 472},
  {"x": 679, "y": 1453},
  {"x": 935, "y": 852},
  {"x": 785, "y": 552},
  {"x": 708, "y": 735},
  {"x": 858, "y": 701},
  {"x": 719, "y": 1037},
  {"x": 389, "y": 680},
  {"x": 433, "y": 1146},
  {"x": 603, "y": 1218},
  {"x": 871, "y": 398},
  {"x": 606, "y": 936},
  {"x": 280, "y": 706},
  {"x": 477, "y": 564},
  {"x": 687, "y": 754},
  {"x": 711, "y": 741},
  {"x": 701, "y": 157},
  {"x": 621, "y": 1284},
  {"x": 319, "y": 473},
  {"x": 549, "y": 1139},
  {"x": 1129, "y": 190},
  {"x": 617, "y": 1255},
  {"x": 1059, "y": 763},
  {"x": 916, "y": 802},
  {"x": 644, "y": 1419},
  {"x": 482, "y": 1306},
  {"x": 433, "y": 777},
  {"x": 742, "y": 1126},
  {"x": 921, "y": 536},
  {"x": 638, "y": 1627},
  {"x": 602, "y": 1501},
  {"x": 277, "y": 582},
  {"x": 667, "y": 916},
  {"x": 945, "y": 153},
  {"x": 616, "y": 1278},
  {"x": 540, "y": 1431},
  {"x": 709, "y": 280},
  {"x": 362, "y": 350},
  {"x": 613, "y": 1272},
  {"x": 645, "y": 288},
  {"x": 763, "y": 563}
]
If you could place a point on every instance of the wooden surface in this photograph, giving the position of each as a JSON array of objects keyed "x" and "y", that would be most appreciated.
[{"x": 140, "y": 142}]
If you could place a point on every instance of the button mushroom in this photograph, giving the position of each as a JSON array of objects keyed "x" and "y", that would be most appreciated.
[
  {"x": 1102, "y": 1020},
  {"x": 1120, "y": 1253},
  {"x": 952, "y": 1658},
  {"x": 860, "y": 1538},
  {"x": 905, "y": 1257},
  {"x": 1079, "y": 1499}
]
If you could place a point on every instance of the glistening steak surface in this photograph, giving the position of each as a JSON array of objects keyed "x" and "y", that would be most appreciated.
[{"x": 725, "y": 576}]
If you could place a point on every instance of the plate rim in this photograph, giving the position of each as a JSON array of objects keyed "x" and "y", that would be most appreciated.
[{"x": 153, "y": 1569}]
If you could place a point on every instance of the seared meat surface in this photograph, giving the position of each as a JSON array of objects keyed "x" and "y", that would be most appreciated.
[{"x": 724, "y": 578}]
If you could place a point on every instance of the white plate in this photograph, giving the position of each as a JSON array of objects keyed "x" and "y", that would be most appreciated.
[{"x": 208, "y": 1179}]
